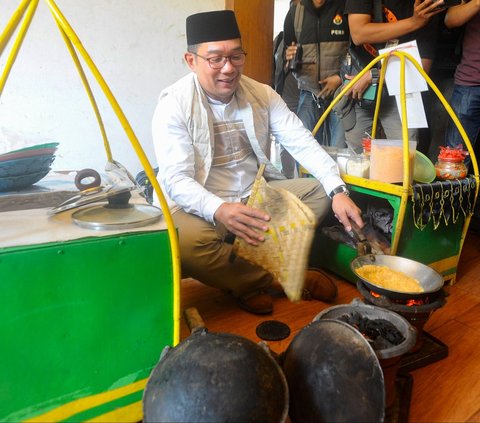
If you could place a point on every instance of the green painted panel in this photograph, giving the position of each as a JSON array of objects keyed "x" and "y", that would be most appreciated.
[{"x": 80, "y": 318}]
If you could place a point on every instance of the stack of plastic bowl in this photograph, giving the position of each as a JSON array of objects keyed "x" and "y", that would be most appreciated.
[{"x": 22, "y": 168}]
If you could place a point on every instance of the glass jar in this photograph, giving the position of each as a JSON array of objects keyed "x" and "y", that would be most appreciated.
[
  {"x": 452, "y": 168},
  {"x": 343, "y": 154},
  {"x": 359, "y": 166}
]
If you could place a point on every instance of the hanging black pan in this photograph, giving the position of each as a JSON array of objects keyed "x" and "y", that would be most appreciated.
[{"x": 215, "y": 377}]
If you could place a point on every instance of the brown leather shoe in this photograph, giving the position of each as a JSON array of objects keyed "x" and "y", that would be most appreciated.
[
  {"x": 319, "y": 286},
  {"x": 256, "y": 303}
]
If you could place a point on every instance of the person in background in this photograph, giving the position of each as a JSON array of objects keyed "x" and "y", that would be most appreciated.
[
  {"x": 402, "y": 21},
  {"x": 284, "y": 84},
  {"x": 465, "y": 99},
  {"x": 316, "y": 36},
  {"x": 211, "y": 131}
]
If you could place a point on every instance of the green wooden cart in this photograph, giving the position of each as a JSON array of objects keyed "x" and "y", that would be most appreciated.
[
  {"x": 438, "y": 246},
  {"x": 83, "y": 319}
]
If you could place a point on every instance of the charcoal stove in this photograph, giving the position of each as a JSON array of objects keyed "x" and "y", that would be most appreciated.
[
  {"x": 416, "y": 311},
  {"x": 427, "y": 348}
]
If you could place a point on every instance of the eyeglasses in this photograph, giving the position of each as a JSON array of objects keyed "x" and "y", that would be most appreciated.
[{"x": 218, "y": 62}]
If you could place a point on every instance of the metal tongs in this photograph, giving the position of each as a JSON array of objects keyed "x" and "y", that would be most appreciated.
[{"x": 363, "y": 245}]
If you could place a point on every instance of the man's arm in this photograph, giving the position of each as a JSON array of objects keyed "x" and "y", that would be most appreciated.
[
  {"x": 363, "y": 30},
  {"x": 459, "y": 15},
  {"x": 290, "y": 132}
]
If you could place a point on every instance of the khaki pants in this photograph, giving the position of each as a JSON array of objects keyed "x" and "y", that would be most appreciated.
[{"x": 206, "y": 256}]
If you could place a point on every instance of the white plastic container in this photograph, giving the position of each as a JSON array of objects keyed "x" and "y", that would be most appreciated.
[
  {"x": 386, "y": 160},
  {"x": 359, "y": 166}
]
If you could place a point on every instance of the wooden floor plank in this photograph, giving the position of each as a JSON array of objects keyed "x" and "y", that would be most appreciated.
[
  {"x": 458, "y": 301},
  {"x": 449, "y": 390}
]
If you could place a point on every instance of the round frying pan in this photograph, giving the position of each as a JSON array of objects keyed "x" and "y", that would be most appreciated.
[
  {"x": 333, "y": 375},
  {"x": 216, "y": 377},
  {"x": 430, "y": 280}
]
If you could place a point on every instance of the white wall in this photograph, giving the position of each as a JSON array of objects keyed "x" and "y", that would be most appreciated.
[
  {"x": 281, "y": 9},
  {"x": 138, "y": 47}
]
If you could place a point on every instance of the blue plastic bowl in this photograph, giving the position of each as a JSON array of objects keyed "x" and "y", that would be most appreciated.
[
  {"x": 26, "y": 166},
  {"x": 16, "y": 183}
]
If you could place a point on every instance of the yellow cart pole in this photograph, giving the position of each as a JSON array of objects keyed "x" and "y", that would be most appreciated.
[
  {"x": 13, "y": 23},
  {"x": 90, "y": 95},
  {"x": 32, "y": 6}
]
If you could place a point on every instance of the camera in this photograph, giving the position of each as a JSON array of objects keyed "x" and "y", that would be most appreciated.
[{"x": 296, "y": 61}]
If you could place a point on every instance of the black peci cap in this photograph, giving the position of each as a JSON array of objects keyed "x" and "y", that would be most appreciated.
[{"x": 212, "y": 26}]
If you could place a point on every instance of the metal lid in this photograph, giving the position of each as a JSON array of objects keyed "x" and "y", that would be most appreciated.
[
  {"x": 104, "y": 216},
  {"x": 88, "y": 181}
]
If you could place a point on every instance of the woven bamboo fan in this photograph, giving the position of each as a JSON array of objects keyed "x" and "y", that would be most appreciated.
[{"x": 285, "y": 251}]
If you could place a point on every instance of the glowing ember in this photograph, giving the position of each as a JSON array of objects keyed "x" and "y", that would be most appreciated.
[{"x": 413, "y": 302}]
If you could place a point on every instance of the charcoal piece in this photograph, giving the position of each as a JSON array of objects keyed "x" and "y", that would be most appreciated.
[
  {"x": 379, "y": 332},
  {"x": 272, "y": 330},
  {"x": 381, "y": 218}
]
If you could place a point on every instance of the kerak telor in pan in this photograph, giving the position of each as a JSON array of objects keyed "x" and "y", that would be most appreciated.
[{"x": 430, "y": 280}]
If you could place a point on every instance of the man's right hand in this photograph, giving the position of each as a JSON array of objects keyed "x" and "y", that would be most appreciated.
[
  {"x": 243, "y": 221},
  {"x": 423, "y": 10}
]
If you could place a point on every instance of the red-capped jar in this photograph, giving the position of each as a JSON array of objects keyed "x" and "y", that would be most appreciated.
[{"x": 450, "y": 163}]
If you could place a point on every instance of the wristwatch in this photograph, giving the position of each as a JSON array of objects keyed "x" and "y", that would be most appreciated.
[
  {"x": 338, "y": 190},
  {"x": 375, "y": 75}
]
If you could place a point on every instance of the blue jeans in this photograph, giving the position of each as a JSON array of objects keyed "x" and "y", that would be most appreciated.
[
  {"x": 465, "y": 102},
  {"x": 309, "y": 111}
]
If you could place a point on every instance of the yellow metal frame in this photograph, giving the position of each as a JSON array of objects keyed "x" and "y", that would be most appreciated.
[
  {"x": 405, "y": 190},
  {"x": 23, "y": 16}
]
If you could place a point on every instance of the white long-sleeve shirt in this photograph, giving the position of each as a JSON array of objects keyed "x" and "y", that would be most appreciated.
[{"x": 183, "y": 139}]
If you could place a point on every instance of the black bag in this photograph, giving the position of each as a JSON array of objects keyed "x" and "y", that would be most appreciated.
[
  {"x": 278, "y": 75},
  {"x": 358, "y": 57}
]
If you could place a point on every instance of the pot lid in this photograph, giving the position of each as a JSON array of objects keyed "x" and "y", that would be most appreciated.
[
  {"x": 333, "y": 374},
  {"x": 108, "y": 216},
  {"x": 88, "y": 181},
  {"x": 90, "y": 195}
]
